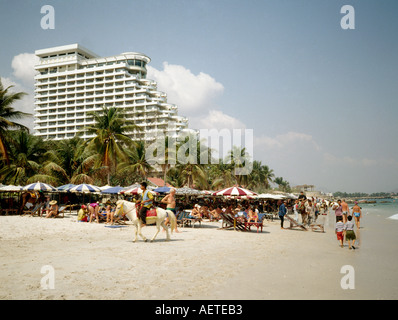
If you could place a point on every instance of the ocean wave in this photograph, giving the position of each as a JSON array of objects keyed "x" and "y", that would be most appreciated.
[{"x": 394, "y": 217}]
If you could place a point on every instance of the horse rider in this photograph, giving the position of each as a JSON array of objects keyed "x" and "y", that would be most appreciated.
[{"x": 146, "y": 202}]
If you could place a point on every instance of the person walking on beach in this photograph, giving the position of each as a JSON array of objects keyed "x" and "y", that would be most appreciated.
[
  {"x": 345, "y": 209},
  {"x": 339, "y": 230},
  {"x": 146, "y": 202},
  {"x": 357, "y": 213},
  {"x": 171, "y": 205},
  {"x": 282, "y": 212},
  {"x": 349, "y": 232},
  {"x": 338, "y": 210}
]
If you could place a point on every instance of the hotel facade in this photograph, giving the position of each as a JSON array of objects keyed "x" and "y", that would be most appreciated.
[{"x": 72, "y": 82}]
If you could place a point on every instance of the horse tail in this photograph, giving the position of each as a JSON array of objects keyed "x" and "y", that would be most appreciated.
[{"x": 173, "y": 220}]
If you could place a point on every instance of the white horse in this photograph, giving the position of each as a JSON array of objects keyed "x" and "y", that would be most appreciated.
[{"x": 129, "y": 209}]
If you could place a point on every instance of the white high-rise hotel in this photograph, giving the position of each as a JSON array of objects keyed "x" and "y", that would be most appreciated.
[{"x": 73, "y": 81}]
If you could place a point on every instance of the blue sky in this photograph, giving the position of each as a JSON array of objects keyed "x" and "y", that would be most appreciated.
[{"x": 322, "y": 101}]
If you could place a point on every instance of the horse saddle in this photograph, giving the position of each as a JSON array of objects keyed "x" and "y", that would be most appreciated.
[{"x": 151, "y": 212}]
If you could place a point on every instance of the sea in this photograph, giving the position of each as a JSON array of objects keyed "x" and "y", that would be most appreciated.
[{"x": 376, "y": 254}]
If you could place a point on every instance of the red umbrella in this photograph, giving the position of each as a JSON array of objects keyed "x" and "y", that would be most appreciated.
[{"x": 234, "y": 191}]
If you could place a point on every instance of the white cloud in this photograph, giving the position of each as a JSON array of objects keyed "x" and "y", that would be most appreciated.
[
  {"x": 216, "y": 119},
  {"x": 289, "y": 139},
  {"x": 192, "y": 93},
  {"x": 23, "y": 66}
]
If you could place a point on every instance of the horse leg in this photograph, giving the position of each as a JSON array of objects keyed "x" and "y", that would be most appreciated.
[
  {"x": 164, "y": 225},
  {"x": 157, "y": 231},
  {"x": 139, "y": 232},
  {"x": 136, "y": 233}
]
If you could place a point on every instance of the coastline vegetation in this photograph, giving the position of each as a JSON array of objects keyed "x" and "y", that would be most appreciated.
[{"x": 111, "y": 157}]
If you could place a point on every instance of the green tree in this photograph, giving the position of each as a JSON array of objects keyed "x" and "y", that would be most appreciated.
[
  {"x": 8, "y": 115},
  {"x": 111, "y": 138}
]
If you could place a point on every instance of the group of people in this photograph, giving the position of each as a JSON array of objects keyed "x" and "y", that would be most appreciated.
[{"x": 344, "y": 224}]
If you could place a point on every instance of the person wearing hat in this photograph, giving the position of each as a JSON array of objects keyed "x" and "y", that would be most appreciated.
[{"x": 53, "y": 210}]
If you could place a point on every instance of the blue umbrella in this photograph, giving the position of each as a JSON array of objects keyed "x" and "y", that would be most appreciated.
[
  {"x": 162, "y": 189},
  {"x": 85, "y": 188},
  {"x": 37, "y": 186},
  {"x": 66, "y": 187},
  {"x": 113, "y": 190}
]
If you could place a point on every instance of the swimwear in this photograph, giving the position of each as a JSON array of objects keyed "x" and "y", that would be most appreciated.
[
  {"x": 357, "y": 214},
  {"x": 172, "y": 210}
]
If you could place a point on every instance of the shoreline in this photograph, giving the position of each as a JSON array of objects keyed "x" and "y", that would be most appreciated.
[{"x": 91, "y": 261}]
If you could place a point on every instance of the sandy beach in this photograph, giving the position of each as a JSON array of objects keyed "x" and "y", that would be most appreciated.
[{"x": 92, "y": 261}]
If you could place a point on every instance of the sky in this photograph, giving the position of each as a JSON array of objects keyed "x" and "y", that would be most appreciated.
[{"x": 321, "y": 100}]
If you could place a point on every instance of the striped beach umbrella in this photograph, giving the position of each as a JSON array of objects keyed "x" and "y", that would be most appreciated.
[
  {"x": 136, "y": 190},
  {"x": 234, "y": 191},
  {"x": 85, "y": 188},
  {"x": 39, "y": 186}
]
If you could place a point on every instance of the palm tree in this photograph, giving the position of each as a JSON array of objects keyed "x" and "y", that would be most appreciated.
[
  {"x": 240, "y": 159},
  {"x": 26, "y": 153},
  {"x": 7, "y": 115},
  {"x": 282, "y": 184},
  {"x": 111, "y": 139},
  {"x": 136, "y": 162}
]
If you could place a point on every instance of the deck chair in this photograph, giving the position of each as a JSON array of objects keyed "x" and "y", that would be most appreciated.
[
  {"x": 295, "y": 224},
  {"x": 189, "y": 220},
  {"x": 35, "y": 210},
  {"x": 61, "y": 210},
  {"x": 230, "y": 221},
  {"x": 258, "y": 224},
  {"x": 319, "y": 224}
]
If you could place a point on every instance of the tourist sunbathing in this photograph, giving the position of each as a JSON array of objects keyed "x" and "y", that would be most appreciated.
[
  {"x": 53, "y": 210},
  {"x": 195, "y": 213},
  {"x": 251, "y": 215},
  {"x": 215, "y": 214}
]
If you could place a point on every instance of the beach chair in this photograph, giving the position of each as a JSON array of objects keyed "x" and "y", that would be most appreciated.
[
  {"x": 179, "y": 216},
  {"x": 189, "y": 220},
  {"x": 258, "y": 224},
  {"x": 319, "y": 224},
  {"x": 229, "y": 221},
  {"x": 295, "y": 224},
  {"x": 35, "y": 210}
]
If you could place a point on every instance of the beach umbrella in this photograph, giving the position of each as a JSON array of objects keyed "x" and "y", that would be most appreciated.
[
  {"x": 136, "y": 190},
  {"x": 234, "y": 191},
  {"x": 39, "y": 186},
  {"x": 11, "y": 188},
  {"x": 66, "y": 187},
  {"x": 163, "y": 189},
  {"x": 85, "y": 188},
  {"x": 113, "y": 190},
  {"x": 105, "y": 187},
  {"x": 188, "y": 191}
]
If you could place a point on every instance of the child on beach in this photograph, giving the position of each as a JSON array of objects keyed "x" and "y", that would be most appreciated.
[
  {"x": 349, "y": 232},
  {"x": 339, "y": 229}
]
